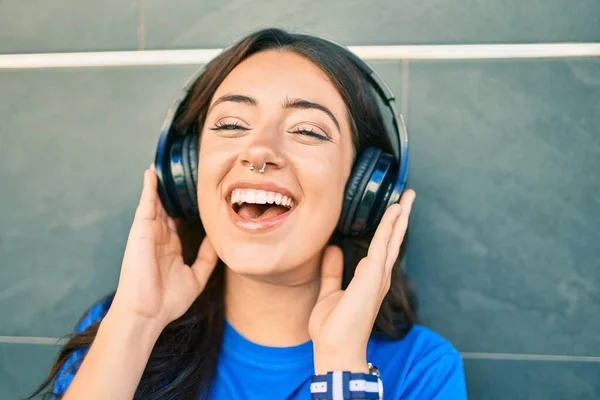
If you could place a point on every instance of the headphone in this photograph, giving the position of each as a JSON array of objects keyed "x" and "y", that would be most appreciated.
[{"x": 376, "y": 181}]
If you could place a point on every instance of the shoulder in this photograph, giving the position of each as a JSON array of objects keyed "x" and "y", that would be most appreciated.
[
  {"x": 421, "y": 365},
  {"x": 71, "y": 365}
]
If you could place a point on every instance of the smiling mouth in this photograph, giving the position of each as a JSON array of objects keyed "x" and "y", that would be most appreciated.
[
  {"x": 257, "y": 205},
  {"x": 258, "y": 210}
]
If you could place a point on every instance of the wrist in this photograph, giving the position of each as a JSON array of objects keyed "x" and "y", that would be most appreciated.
[
  {"x": 328, "y": 363},
  {"x": 116, "y": 360},
  {"x": 143, "y": 331}
]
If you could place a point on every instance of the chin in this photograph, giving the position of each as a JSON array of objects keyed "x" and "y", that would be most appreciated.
[{"x": 253, "y": 258}]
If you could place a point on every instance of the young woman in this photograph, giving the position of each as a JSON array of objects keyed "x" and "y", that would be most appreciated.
[{"x": 263, "y": 260}]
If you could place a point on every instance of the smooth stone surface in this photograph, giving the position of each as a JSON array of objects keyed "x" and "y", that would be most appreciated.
[
  {"x": 213, "y": 23},
  {"x": 37, "y": 26},
  {"x": 532, "y": 380},
  {"x": 23, "y": 367},
  {"x": 505, "y": 160},
  {"x": 75, "y": 145}
]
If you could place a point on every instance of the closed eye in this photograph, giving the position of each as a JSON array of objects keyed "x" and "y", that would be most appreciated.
[
  {"x": 228, "y": 127},
  {"x": 236, "y": 126},
  {"x": 311, "y": 133}
]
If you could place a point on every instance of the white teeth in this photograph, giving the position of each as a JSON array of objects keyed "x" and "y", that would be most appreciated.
[
  {"x": 261, "y": 197},
  {"x": 252, "y": 196}
]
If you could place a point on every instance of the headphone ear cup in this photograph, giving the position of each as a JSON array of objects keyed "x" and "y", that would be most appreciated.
[
  {"x": 163, "y": 173},
  {"x": 189, "y": 155},
  {"x": 376, "y": 197},
  {"x": 359, "y": 178}
]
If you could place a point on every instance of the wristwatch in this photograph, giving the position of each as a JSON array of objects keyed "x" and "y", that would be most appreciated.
[{"x": 345, "y": 385}]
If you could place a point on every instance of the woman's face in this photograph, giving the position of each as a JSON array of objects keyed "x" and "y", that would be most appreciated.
[{"x": 276, "y": 109}]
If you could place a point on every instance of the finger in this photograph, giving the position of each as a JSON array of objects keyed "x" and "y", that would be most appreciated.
[
  {"x": 161, "y": 213},
  {"x": 399, "y": 230},
  {"x": 378, "y": 248},
  {"x": 362, "y": 295},
  {"x": 205, "y": 262},
  {"x": 147, "y": 206},
  {"x": 332, "y": 268},
  {"x": 363, "y": 291}
]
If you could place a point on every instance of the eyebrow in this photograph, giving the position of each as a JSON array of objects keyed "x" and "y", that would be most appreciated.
[
  {"x": 294, "y": 103},
  {"x": 305, "y": 104},
  {"x": 236, "y": 98}
]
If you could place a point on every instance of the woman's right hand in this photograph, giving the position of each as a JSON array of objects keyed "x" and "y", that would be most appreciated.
[{"x": 155, "y": 284}]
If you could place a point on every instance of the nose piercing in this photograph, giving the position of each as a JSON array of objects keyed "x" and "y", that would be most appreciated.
[{"x": 262, "y": 170}]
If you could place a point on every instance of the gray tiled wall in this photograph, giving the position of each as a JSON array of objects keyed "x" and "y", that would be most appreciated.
[
  {"x": 189, "y": 23},
  {"x": 68, "y": 25},
  {"x": 505, "y": 160},
  {"x": 532, "y": 380},
  {"x": 23, "y": 367}
]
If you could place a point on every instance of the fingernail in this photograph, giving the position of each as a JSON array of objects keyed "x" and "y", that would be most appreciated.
[{"x": 152, "y": 166}]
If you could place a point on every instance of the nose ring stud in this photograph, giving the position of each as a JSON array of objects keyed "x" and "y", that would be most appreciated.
[{"x": 262, "y": 170}]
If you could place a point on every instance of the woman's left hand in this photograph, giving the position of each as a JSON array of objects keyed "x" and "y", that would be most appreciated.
[{"x": 342, "y": 320}]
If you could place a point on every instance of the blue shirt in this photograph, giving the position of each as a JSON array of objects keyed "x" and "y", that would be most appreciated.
[{"x": 421, "y": 366}]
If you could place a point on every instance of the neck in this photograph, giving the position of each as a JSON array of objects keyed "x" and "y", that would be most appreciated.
[{"x": 275, "y": 312}]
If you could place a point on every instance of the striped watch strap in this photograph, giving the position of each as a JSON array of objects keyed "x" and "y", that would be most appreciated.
[{"x": 344, "y": 385}]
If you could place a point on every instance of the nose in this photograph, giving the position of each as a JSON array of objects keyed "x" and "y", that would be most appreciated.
[{"x": 263, "y": 152}]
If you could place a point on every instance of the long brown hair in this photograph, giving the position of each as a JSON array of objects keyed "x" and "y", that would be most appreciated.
[{"x": 183, "y": 361}]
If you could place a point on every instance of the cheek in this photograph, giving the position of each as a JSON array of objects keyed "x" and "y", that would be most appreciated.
[
  {"x": 323, "y": 184},
  {"x": 212, "y": 167}
]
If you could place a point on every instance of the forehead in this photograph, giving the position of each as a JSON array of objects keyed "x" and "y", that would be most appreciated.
[{"x": 276, "y": 74}]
